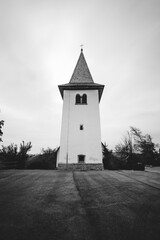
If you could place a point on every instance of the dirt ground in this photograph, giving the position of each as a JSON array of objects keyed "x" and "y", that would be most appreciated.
[{"x": 62, "y": 205}]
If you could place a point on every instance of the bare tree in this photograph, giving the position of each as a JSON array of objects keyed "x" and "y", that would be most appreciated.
[
  {"x": 125, "y": 148},
  {"x": 145, "y": 145},
  {"x": 22, "y": 155},
  {"x": 137, "y": 147}
]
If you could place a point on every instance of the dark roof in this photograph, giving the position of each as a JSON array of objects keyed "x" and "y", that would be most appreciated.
[
  {"x": 81, "y": 72},
  {"x": 81, "y": 78}
]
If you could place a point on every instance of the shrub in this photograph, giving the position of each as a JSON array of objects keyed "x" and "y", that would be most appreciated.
[
  {"x": 22, "y": 155},
  {"x": 1, "y": 133},
  {"x": 110, "y": 161},
  {"x": 46, "y": 160},
  {"x": 11, "y": 158}
]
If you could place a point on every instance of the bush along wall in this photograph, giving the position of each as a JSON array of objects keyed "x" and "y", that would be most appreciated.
[{"x": 46, "y": 160}]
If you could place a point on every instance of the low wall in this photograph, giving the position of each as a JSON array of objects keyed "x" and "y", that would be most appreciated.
[{"x": 80, "y": 166}]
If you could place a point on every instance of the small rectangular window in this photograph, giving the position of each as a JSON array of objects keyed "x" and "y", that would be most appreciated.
[
  {"x": 81, "y": 127},
  {"x": 81, "y": 158}
]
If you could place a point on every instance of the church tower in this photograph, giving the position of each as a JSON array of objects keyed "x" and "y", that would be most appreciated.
[{"x": 80, "y": 142}]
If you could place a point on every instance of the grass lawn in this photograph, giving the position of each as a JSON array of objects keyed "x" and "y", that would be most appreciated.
[{"x": 109, "y": 205}]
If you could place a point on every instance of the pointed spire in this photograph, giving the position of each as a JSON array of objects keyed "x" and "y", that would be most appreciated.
[
  {"x": 81, "y": 72},
  {"x": 81, "y": 78}
]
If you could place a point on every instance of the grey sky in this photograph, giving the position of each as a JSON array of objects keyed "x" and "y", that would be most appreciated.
[{"x": 40, "y": 45}]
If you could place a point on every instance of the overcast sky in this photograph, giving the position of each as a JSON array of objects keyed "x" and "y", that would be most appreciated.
[{"x": 39, "y": 48}]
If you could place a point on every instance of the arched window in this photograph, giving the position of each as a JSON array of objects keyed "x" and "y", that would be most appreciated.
[
  {"x": 78, "y": 99},
  {"x": 81, "y": 99},
  {"x": 84, "y": 99}
]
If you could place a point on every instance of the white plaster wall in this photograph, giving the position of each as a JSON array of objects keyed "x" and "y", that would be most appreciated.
[{"x": 75, "y": 141}]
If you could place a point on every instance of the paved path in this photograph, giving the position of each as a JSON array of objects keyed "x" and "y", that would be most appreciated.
[
  {"x": 153, "y": 169},
  {"x": 109, "y": 205}
]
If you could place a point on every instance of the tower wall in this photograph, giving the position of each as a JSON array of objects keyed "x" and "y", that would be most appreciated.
[{"x": 86, "y": 142}]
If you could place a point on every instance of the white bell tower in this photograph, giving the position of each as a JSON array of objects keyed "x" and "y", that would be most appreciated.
[{"x": 80, "y": 143}]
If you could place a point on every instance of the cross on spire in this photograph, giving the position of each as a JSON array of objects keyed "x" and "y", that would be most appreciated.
[{"x": 81, "y": 47}]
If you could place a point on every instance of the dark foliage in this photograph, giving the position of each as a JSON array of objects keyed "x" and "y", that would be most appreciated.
[
  {"x": 110, "y": 161},
  {"x": 45, "y": 160},
  {"x": 157, "y": 160},
  {"x": 9, "y": 156},
  {"x": 137, "y": 150},
  {"x": 12, "y": 158},
  {"x": 145, "y": 145},
  {"x": 1, "y": 133},
  {"x": 125, "y": 152},
  {"x": 22, "y": 155}
]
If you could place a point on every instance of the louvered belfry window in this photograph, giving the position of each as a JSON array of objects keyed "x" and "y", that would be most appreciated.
[
  {"x": 81, "y": 99},
  {"x": 78, "y": 99}
]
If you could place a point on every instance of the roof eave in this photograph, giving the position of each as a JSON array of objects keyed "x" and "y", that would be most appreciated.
[{"x": 98, "y": 87}]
